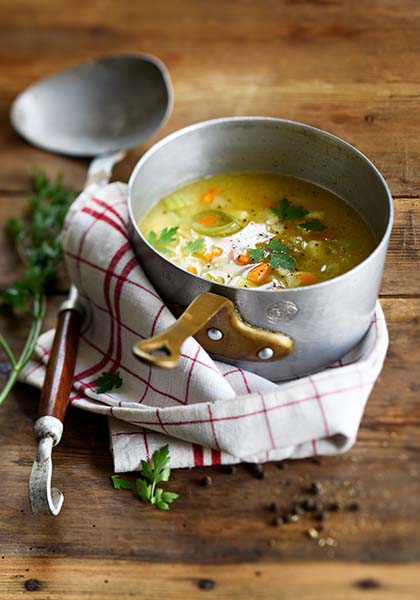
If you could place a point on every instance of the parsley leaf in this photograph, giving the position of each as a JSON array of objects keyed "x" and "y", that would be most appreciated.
[
  {"x": 289, "y": 212},
  {"x": 256, "y": 254},
  {"x": 120, "y": 484},
  {"x": 313, "y": 225},
  {"x": 278, "y": 254},
  {"x": 156, "y": 470},
  {"x": 278, "y": 246},
  {"x": 195, "y": 245},
  {"x": 281, "y": 259},
  {"x": 167, "y": 236},
  {"x": 107, "y": 382}
]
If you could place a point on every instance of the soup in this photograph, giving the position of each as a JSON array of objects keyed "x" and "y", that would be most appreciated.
[{"x": 258, "y": 230}]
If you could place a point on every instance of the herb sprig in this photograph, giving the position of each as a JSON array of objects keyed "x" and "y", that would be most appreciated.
[
  {"x": 312, "y": 225},
  {"x": 287, "y": 211},
  {"x": 107, "y": 382},
  {"x": 166, "y": 236},
  {"x": 37, "y": 240},
  {"x": 275, "y": 253},
  {"x": 154, "y": 471},
  {"x": 195, "y": 246}
]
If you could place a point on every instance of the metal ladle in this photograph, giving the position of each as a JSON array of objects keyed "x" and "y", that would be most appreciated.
[{"x": 98, "y": 109}]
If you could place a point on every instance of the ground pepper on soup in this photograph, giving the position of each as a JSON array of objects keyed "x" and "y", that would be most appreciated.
[{"x": 258, "y": 230}]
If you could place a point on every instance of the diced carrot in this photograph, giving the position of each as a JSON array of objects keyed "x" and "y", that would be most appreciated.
[
  {"x": 243, "y": 259},
  {"x": 209, "y": 195},
  {"x": 307, "y": 278},
  {"x": 192, "y": 270},
  {"x": 207, "y": 220},
  {"x": 215, "y": 252},
  {"x": 327, "y": 235},
  {"x": 259, "y": 274},
  {"x": 270, "y": 203}
]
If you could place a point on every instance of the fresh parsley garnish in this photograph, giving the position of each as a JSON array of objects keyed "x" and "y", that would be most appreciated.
[
  {"x": 287, "y": 211},
  {"x": 312, "y": 225},
  {"x": 256, "y": 254},
  {"x": 281, "y": 259},
  {"x": 195, "y": 246},
  {"x": 120, "y": 484},
  {"x": 277, "y": 253},
  {"x": 107, "y": 382},
  {"x": 167, "y": 236},
  {"x": 156, "y": 471},
  {"x": 37, "y": 240}
]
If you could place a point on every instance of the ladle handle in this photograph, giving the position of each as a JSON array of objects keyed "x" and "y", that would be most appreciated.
[{"x": 60, "y": 370}]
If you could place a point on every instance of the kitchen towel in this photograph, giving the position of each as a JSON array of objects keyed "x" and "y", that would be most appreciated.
[{"x": 207, "y": 411}]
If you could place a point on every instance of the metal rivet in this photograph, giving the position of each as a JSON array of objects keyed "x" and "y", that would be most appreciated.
[
  {"x": 265, "y": 353},
  {"x": 214, "y": 334}
]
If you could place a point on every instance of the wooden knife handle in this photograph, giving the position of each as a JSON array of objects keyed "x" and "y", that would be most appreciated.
[{"x": 60, "y": 370}]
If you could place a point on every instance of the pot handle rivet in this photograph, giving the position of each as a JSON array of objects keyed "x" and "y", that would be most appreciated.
[
  {"x": 214, "y": 334},
  {"x": 265, "y": 353}
]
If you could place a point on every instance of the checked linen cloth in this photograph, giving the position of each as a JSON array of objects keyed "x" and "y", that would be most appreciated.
[{"x": 207, "y": 411}]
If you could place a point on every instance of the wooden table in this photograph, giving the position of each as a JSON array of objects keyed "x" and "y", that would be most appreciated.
[{"x": 350, "y": 68}]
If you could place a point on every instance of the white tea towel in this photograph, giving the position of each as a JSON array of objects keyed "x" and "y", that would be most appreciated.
[{"x": 207, "y": 411}]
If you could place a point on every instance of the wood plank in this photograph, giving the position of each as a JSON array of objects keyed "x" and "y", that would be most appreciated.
[
  {"x": 229, "y": 522},
  {"x": 64, "y": 579},
  {"x": 334, "y": 65},
  {"x": 403, "y": 255}
]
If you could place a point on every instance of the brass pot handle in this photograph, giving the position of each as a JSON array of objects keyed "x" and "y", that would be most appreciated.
[{"x": 215, "y": 324}]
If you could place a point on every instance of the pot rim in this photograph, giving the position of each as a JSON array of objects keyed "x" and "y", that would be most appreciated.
[{"x": 202, "y": 124}]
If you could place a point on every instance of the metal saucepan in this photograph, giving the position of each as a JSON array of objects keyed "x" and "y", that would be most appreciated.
[{"x": 277, "y": 334}]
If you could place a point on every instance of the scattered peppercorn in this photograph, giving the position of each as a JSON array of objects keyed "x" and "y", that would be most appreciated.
[
  {"x": 297, "y": 510},
  {"x": 277, "y": 521},
  {"x": 230, "y": 469},
  {"x": 321, "y": 516},
  {"x": 308, "y": 504},
  {"x": 287, "y": 518},
  {"x": 354, "y": 506},
  {"x": 206, "y": 481},
  {"x": 333, "y": 506},
  {"x": 315, "y": 488},
  {"x": 205, "y": 584},
  {"x": 281, "y": 465},
  {"x": 273, "y": 507},
  {"x": 258, "y": 471}
]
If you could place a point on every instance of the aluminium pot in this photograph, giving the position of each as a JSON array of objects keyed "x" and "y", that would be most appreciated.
[{"x": 296, "y": 331}]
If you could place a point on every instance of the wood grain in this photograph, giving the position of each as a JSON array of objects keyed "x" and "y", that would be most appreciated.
[
  {"x": 60, "y": 369},
  {"x": 64, "y": 579},
  {"x": 229, "y": 522},
  {"x": 333, "y": 64},
  {"x": 350, "y": 68}
]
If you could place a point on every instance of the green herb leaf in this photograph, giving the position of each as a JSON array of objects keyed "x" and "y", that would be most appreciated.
[
  {"x": 107, "y": 382},
  {"x": 120, "y": 484},
  {"x": 278, "y": 246},
  {"x": 281, "y": 259},
  {"x": 256, "y": 254},
  {"x": 37, "y": 240},
  {"x": 195, "y": 246},
  {"x": 167, "y": 236},
  {"x": 313, "y": 225},
  {"x": 143, "y": 490},
  {"x": 156, "y": 470},
  {"x": 289, "y": 212}
]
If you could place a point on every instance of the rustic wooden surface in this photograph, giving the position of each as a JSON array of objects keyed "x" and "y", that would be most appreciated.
[{"x": 350, "y": 68}]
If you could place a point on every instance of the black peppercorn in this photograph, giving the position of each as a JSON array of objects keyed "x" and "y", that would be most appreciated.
[
  {"x": 273, "y": 507},
  {"x": 315, "y": 488},
  {"x": 308, "y": 505},
  {"x": 206, "y": 481}
]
